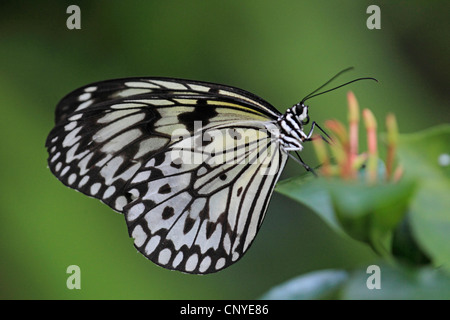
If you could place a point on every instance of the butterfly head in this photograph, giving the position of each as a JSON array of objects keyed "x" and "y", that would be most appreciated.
[{"x": 300, "y": 111}]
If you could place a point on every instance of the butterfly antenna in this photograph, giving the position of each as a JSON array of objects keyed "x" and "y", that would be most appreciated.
[
  {"x": 326, "y": 83},
  {"x": 342, "y": 85}
]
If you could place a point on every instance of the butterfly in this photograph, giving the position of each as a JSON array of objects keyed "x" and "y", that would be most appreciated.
[{"x": 191, "y": 165}]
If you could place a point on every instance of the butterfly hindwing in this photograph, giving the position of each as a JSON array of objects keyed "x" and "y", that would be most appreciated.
[{"x": 200, "y": 217}]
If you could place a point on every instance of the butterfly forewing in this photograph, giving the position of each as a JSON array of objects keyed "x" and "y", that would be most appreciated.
[{"x": 191, "y": 164}]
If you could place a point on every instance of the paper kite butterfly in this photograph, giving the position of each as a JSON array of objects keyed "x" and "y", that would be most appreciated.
[{"x": 192, "y": 165}]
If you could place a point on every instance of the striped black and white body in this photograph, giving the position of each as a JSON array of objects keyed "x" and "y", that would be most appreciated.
[
  {"x": 291, "y": 124},
  {"x": 186, "y": 205}
]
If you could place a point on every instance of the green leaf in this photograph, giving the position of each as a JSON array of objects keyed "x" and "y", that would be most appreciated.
[
  {"x": 391, "y": 282},
  {"x": 399, "y": 283},
  {"x": 363, "y": 212},
  {"x": 405, "y": 247},
  {"x": 315, "y": 285},
  {"x": 369, "y": 213},
  {"x": 312, "y": 193},
  {"x": 419, "y": 153}
]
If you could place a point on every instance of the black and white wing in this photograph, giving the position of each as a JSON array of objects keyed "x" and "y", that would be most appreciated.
[{"x": 192, "y": 165}]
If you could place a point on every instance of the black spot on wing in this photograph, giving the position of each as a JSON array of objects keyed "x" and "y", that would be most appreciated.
[
  {"x": 156, "y": 174},
  {"x": 176, "y": 164},
  {"x": 188, "y": 224},
  {"x": 200, "y": 113},
  {"x": 159, "y": 159},
  {"x": 165, "y": 189},
  {"x": 168, "y": 212},
  {"x": 210, "y": 228}
]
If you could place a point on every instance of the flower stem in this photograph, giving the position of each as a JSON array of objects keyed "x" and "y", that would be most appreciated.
[
  {"x": 322, "y": 155},
  {"x": 392, "y": 140},
  {"x": 341, "y": 147},
  {"x": 371, "y": 127},
  {"x": 353, "y": 119}
]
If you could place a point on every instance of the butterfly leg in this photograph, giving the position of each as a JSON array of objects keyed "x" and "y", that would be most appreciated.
[
  {"x": 308, "y": 168},
  {"x": 300, "y": 160},
  {"x": 309, "y": 136}
]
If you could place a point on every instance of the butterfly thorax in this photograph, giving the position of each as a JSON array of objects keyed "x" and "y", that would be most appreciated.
[{"x": 291, "y": 127}]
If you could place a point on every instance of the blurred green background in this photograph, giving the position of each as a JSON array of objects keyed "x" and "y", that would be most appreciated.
[{"x": 279, "y": 50}]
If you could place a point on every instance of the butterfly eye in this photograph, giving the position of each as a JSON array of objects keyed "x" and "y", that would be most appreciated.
[{"x": 299, "y": 109}]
